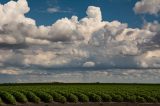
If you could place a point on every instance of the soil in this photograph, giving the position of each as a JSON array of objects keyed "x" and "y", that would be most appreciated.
[{"x": 86, "y": 104}]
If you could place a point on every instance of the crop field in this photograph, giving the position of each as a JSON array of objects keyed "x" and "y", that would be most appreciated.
[{"x": 79, "y": 93}]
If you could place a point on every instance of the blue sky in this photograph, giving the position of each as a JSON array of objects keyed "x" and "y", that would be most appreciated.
[
  {"x": 81, "y": 41},
  {"x": 111, "y": 10}
]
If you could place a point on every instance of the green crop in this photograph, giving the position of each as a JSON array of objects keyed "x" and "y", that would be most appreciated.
[
  {"x": 20, "y": 97},
  {"x": 62, "y": 93},
  {"x": 31, "y": 96},
  {"x": 7, "y": 97},
  {"x": 58, "y": 97},
  {"x": 45, "y": 97}
]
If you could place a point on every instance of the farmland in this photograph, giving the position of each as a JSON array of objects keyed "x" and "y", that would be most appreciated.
[{"x": 79, "y": 93}]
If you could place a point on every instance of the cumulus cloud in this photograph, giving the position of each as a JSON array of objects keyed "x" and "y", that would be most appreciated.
[
  {"x": 89, "y": 64},
  {"x": 16, "y": 10},
  {"x": 147, "y": 6},
  {"x": 155, "y": 28},
  {"x": 150, "y": 59},
  {"x": 72, "y": 42},
  {"x": 152, "y": 26},
  {"x": 24, "y": 30},
  {"x": 94, "y": 12}
]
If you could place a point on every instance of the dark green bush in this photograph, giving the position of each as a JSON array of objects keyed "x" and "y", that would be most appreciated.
[
  {"x": 140, "y": 99},
  {"x": 45, "y": 97},
  {"x": 82, "y": 97},
  {"x": 20, "y": 97},
  {"x": 7, "y": 97},
  {"x": 151, "y": 99},
  {"x": 94, "y": 97},
  {"x": 130, "y": 98},
  {"x": 31, "y": 96},
  {"x": 117, "y": 98},
  {"x": 105, "y": 97},
  {"x": 158, "y": 98},
  {"x": 58, "y": 97},
  {"x": 1, "y": 101},
  {"x": 70, "y": 97}
]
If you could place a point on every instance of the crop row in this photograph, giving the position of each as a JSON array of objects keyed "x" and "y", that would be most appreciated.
[{"x": 24, "y": 96}]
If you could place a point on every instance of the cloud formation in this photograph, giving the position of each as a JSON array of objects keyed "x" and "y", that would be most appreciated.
[
  {"x": 89, "y": 64},
  {"x": 57, "y": 10},
  {"x": 147, "y": 6},
  {"x": 53, "y": 10},
  {"x": 89, "y": 42}
]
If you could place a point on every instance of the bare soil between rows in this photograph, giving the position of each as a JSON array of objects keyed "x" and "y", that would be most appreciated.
[{"x": 86, "y": 104}]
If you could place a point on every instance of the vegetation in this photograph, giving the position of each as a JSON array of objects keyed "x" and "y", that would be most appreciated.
[
  {"x": 45, "y": 97},
  {"x": 62, "y": 93},
  {"x": 58, "y": 97},
  {"x": 20, "y": 97},
  {"x": 31, "y": 96},
  {"x": 94, "y": 97},
  {"x": 70, "y": 97},
  {"x": 82, "y": 97},
  {"x": 105, "y": 97},
  {"x": 1, "y": 101},
  {"x": 7, "y": 97}
]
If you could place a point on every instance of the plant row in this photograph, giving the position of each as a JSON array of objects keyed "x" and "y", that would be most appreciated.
[{"x": 24, "y": 96}]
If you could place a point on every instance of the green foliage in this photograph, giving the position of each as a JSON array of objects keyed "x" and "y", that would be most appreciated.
[
  {"x": 7, "y": 97},
  {"x": 94, "y": 97},
  {"x": 79, "y": 93},
  {"x": 58, "y": 97},
  {"x": 151, "y": 99},
  {"x": 129, "y": 98},
  {"x": 31, "y": 96},
  {"x": 20, "y": 97},
  {"x": 140, "y": 99},
  {"x": 1, "y": 101},
  {"x": 45, "y": 97},
  {"x": 70, "y": 97},
  {"x": 157, "y": 97},
  {"x": 117, "y": 98},
  {"x": 82, "y": 97},
  {"x": 105, "y": 97}
]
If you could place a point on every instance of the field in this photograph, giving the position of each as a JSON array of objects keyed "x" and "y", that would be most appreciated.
[{"x": 78, "y": 93}]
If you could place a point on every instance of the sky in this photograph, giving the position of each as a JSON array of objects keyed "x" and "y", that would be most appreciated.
[{"x": 80, "y": 41}]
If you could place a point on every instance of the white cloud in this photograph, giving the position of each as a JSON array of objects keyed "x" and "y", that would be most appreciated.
[
  {"x": 154, "y": 53},
  {"x": 73, "y": 42},
  {"x": 89, "y": 64},
  {"x": 147, "y": 6},
  {"x": 152, "y": 26},
  {"x": 37, "y": 41},
  {"x": 119, "y": 75},
  {"x": 9, "y": 72},
  {"x": 149, "y": 59},
  {"x": 16, "y": 10},
  {"x": 58, "y": 10},
  {"x": 44, "y": 58},
  {"x": 94, "y": 12},
  {"x": 118, "y": 39},
  {"x": 53, "y": 10}
]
